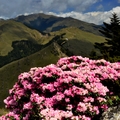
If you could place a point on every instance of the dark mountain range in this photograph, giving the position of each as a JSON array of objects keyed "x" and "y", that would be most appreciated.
[{"x": 50, "y": 23}]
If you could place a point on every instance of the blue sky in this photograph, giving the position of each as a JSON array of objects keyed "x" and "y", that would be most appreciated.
[
  {"x": 104, "y": 5},
  {"x": 92, "y": 11}
]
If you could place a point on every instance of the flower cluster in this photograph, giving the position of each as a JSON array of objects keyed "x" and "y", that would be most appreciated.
[{"x": 72, "y": 89}]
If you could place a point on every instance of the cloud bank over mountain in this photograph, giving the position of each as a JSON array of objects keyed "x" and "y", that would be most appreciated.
[
  {"x": 92, "y": 17},
  {"x": 92, "y": 11}
]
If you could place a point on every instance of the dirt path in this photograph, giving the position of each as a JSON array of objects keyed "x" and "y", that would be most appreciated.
[{"x": 57, "y": 48}]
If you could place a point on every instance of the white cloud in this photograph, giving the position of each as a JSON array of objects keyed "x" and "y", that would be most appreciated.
[
  {"x": 11, "y": 8},
  {"x": 63, "y": 5},
  {"x": 92, "y": 17},
  {"x": 118, "y": 1}
]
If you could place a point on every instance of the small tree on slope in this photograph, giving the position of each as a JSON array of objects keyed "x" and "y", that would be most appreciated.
[{"x": 111, "y": 47}]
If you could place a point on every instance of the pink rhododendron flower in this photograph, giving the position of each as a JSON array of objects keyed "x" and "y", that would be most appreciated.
[
  {"x": 74, "y": 89},
  {"x": 27, "y": 105}
]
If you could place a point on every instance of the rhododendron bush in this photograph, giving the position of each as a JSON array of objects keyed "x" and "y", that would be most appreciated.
[{"x": 73, "y": 89}]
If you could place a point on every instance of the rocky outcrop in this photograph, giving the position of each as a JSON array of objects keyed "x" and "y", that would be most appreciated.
[{"x": 113, "y": 113}]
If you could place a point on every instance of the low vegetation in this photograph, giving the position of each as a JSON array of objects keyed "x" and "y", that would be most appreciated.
[{"x": 74, "y": 88}]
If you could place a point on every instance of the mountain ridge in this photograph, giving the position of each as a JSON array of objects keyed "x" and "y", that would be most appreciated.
[
  {"x": 49, "y": 23},
  {"x": 17, "y": 40}
]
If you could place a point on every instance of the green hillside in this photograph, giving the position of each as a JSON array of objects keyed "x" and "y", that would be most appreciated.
[
  {"x": 78, "y": 42},
  {"x": 15, "y": 31},
  {"x": 18, "y": 41},
  {"x": 75, "y": 33}
]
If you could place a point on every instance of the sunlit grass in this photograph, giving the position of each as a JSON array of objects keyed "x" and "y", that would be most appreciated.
[
  {"x": 3, "y": 111},
  {"x": 15, "y": 31}
]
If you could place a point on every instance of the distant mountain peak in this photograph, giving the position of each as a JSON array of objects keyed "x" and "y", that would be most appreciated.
[{"x": 49, "y": 23}]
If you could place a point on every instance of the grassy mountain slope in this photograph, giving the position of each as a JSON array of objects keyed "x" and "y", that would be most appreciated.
[
  {"x": 18, "y": 41},
  {"x": 75, "y": 33},
  {"x": 48, "y": 23},
  {"x": 78, "y": 42},
  {"x": 10, "y": 72},
  {"x": 14, "y": 31}
]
